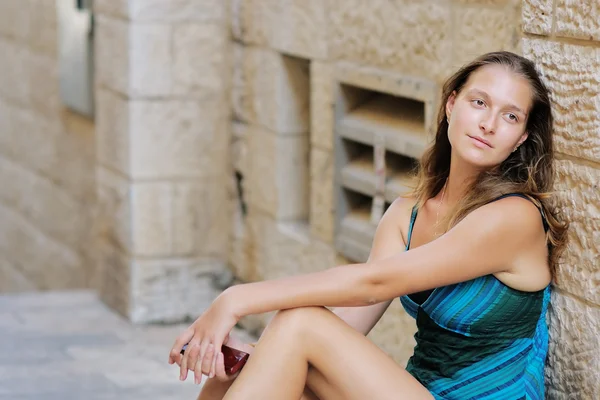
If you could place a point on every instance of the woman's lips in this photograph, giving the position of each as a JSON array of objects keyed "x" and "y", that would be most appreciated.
[{"x": 480, "y": 141}]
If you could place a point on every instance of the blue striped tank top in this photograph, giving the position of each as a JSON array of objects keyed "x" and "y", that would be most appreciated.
[{"x": 479, "y": 339}]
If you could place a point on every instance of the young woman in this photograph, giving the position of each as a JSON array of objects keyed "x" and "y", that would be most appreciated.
[{"x": 470, "y": 255}]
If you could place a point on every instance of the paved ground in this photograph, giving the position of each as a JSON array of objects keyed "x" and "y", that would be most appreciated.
[{"x": 69, "y": 346}]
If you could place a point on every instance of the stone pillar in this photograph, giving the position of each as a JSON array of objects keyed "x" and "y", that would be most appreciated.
[
  {"x": 162, "y": 77},
  {"x": 564, "y": 40}
]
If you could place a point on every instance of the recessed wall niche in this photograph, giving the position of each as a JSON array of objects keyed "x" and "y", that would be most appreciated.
[{"x": 381, "y": 130}]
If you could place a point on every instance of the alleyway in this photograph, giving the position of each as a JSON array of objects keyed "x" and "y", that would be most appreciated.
[{"x": 69, "y": 346}]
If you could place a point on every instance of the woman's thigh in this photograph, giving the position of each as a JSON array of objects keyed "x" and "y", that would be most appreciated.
[{"x": 351, "y": 366}]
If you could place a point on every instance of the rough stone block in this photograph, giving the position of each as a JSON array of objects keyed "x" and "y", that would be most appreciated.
[
  {"x": 252, "y": 20},
  {"x": 111, "y": 53},
  {"x": 322, "y": 207},
  {"x": 480, "y": 30},
  {"x": 148, "y": 71},
  {"x": 572, "y": 369},
  {"x": 394, "y": 333},
  {"x": 284, "y": 249},
  {"x": 573, "y": 76},
  {"x": 171, "y": 290},
  {"x": 239, "y": 147},
  {"x": 43, "y": 35},
  {"x": 13, "y": 67},
  {"x": 178, "y": 10},
  {"x": 43, "y": 80},
  {"x": 322, "y": 88},
  {"x": 12, "y": 279},
  {"x": 15, "y": 19},
  {"x": 578, "y": 19},
  {"x": 200, "y": 218},
  {"x": 48, "y": 263},
  {"x": 301, "y": 28},
  {"x": 112, "y": 131},
  {"x": 200, "y": 59},
  {"x": 271, "y": 90},
  {"x": 117, "y": 8},
  {"x": 579, "y": 272},
  {"x": 537, "y": 16},
  {"x": 278, "y": 174},
  {"x": 45, "y": 204},
  {"x": 382, "y": 33},
  {"x": 177, "y": 138},
  {"x": 113, "y": 282}
]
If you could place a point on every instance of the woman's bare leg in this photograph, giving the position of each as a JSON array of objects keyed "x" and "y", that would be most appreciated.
[
  {"x": 214, "y": 389},
  {"x": 352, "y": 366}
]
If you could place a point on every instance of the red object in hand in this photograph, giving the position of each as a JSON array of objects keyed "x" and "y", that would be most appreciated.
[{"x": 234, "y": 359}]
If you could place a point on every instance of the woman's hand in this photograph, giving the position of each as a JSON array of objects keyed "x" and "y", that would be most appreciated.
[{"x": 204, "y": 336}]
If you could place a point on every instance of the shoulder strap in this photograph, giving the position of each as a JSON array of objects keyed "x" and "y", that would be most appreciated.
[
  {"x": 544, "y": 221},
  {"x": 413, "y": 217}
]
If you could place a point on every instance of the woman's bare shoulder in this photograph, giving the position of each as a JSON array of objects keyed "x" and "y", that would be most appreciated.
[{"x": 399, "y": 211}]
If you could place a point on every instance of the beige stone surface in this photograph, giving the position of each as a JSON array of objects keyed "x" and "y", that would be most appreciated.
[
  {"x": 322, "y": 200},
  {"x": 382, "y": 33},
  {"x": 112, "y": 277},
  {"x": 578, "y": 19},
  {"x": 301, "y": 28},
  {"x": 537, "y": 16},
  {"x": 278, "y": 174},
  {"x": 573, "y": 359},
  {"x": 111, "y": 53},
  {"x": 170, "y": 290},
  {"x": 176, "y": 138},
  {"x": 55, "y": 211},
  {"x": 579, "y": 273},
  {"x": 480, "y": 30},
  {"x": 45, "y": 261},
  {"x": 13, "y": 87},
  {"x": 252, "y": 20},
  {"x": 284, "y": 249},
  {"x": 178, "y": 10},
  {"x": 117, "y": 8},
  {"x": 201, "y": 59},
  {"x": 394, "y": 333},
  {"x": 15, "y": 19},
  {"x": 112, "y": 130},
  {"x": 148, "y": 69},
  {"x": 271, "y": 90},
  {"x": 322, "y": 89},
  {"x": 573, "y": 76},
  {"x": 12, "y": 279}
]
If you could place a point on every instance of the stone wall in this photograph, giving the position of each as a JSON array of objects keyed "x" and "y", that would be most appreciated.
[
  {"x": 162, "y": 113},
  {"x": 46, "y": 160},
  {"x": 562, "y": 36}
]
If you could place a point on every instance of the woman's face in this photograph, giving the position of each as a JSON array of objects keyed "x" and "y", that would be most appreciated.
[{"x": 487, "y": 119}]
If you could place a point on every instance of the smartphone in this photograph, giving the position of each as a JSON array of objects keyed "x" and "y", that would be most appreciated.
[{"x": 234, "y": 359}]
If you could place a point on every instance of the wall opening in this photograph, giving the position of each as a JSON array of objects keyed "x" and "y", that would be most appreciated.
[{"x": 378, "y": 139}]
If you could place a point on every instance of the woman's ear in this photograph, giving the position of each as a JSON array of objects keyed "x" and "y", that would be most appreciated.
[
  {"x": 523, "y": 138},
  {"x": 450, "y": 104}
]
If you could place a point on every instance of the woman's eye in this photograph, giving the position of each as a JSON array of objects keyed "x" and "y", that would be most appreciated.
[
  {"x": 479, "y": 103},
  {"x": 513, "y": 117}
]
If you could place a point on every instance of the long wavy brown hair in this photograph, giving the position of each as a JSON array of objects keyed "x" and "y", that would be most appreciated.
[{"x": 528, "y": 171}]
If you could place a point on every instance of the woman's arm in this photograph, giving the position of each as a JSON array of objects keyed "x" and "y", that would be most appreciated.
[{"x": 485, "y": 242}]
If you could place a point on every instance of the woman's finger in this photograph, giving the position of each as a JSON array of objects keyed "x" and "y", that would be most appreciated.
[
  {"x": 191, "y": 353},
  {"x": 213, "y": 366},
  {"x": 203, "y": 348},
  {"x": 175, "y": 353},
  {"x": 220, "y": 372},
  {"x": 203, "y": 367}
]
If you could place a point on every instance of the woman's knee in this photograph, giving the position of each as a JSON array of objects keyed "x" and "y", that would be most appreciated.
[{"x": 297, "y": 318}]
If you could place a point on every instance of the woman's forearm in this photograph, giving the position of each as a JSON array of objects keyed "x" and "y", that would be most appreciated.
[{"x": 343, "y": 286}]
